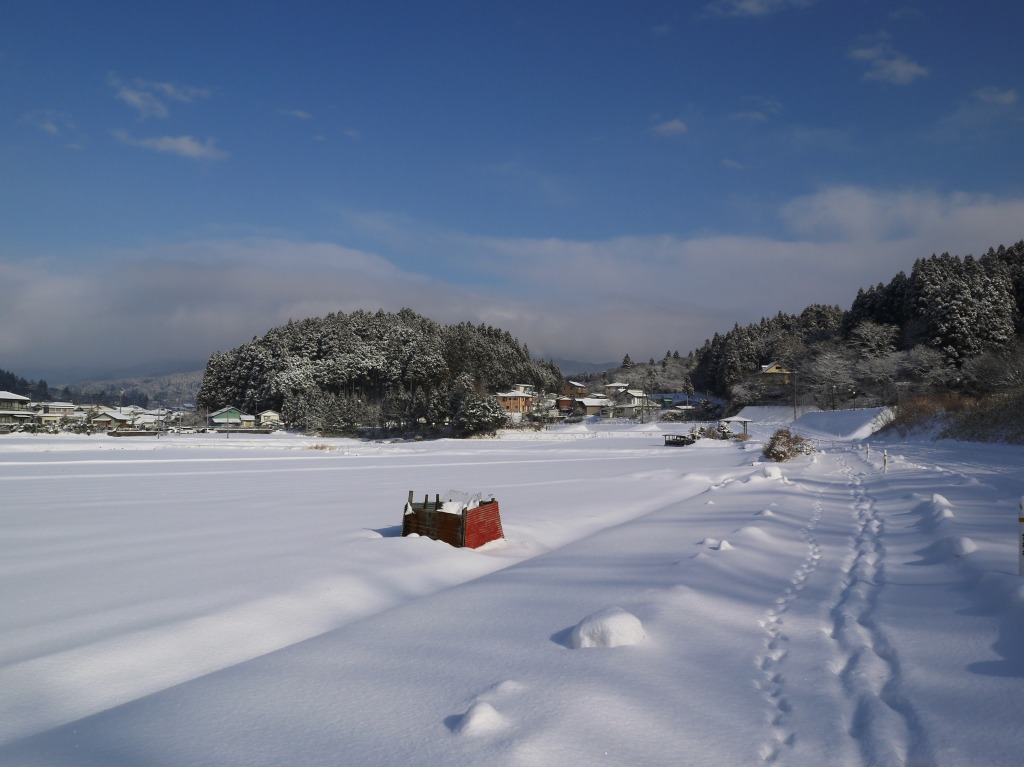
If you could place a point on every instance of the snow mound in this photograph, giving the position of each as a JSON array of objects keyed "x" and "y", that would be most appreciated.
[
  {"x": 753, "y": 532},
  {"x": 611, "y": 627},
  {"x": 481, "y": 719},
  {"x": 713, "y": 544},
  {"x": 961, "y": 546},
  {"x": 772, "y": 472}
]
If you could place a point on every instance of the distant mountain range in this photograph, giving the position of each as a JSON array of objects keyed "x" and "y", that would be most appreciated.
[
  {"x": 152, "y": 369},
  {"x": 570, "y": 368}
]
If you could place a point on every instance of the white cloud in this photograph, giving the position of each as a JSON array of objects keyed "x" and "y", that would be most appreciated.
[
  {"x": 183, "y": 146},
  {"x": 549, "y": 187},
  {"x": 975, "y": 118},
  {"x": 755, "y": 7},
  {"x": 299, "y": 114},
  {"x": 45, "y": 120},
  {"x": 146, "y": 103},
  {"x": 997, "y": 96},
  {"x": 582, "y": 300},
  {"x": 763, "y": 110},
  {"x": 885, "y": 63},
  {"x": 145, "y": 95},
  {"x": 750, "y": 116},
  {"x": 183, "y": 93},
  {"x": 670, "y": 128}
]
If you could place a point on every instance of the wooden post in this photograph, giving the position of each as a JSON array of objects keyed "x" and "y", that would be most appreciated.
[{"x": 885, "y": 461}]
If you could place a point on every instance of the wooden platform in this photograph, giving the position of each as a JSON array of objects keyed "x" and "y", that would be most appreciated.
[{"x": 679, "y": 440}]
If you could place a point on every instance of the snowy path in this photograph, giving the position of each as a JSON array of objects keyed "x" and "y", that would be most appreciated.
[
  {"x": 770, "y": 662},
  {"x": 821, "y": 612},
  {"x": 882, "y": 719}
]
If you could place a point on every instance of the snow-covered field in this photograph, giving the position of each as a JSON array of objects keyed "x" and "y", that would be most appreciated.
[{"x": 212, "y": 600}]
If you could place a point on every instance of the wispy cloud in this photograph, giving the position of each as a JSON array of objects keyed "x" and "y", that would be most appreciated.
[
  {"x": 754, "y": 7},
  {"x": 548, "y": 186},
  {"x": 762, "y": 109},
  {"x": 670, "y": 128},
  {"x": 183, "y": 146},
  {"x": 985, "y": 111},
  {"x": 299, "y": 114},
  {"x": 884, "y": 63},
  {"x": 148, "y": 97},
  {"x": 996, "y": 96},
  {"x": 48, "y": 121}
]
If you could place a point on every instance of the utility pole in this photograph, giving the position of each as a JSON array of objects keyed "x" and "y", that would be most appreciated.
[{"x": 793, "y": 378}]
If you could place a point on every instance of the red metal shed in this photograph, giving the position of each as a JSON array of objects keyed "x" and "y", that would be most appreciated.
[{"x": 457, "y": 523}]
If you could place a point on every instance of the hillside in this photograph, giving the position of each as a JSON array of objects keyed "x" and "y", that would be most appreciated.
[{"x": 341, "y": 372}]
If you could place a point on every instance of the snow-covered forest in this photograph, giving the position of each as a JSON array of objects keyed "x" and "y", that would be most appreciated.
[
  {"x": 333, "y": 373},
  {"x": 940, "y": 326}
]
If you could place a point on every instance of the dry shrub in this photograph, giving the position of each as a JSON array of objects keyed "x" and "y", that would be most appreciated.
[
  {"x": 925, "y": 411},
  {"x": 321, "y": 446},
  {"x": 996, "y": 418},
  {"x": 784, "y": 445},
  {"x": 999, "y": 418}
]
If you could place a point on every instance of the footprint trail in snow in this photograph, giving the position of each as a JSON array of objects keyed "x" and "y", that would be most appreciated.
[
  {"x": 881, "y": 719},
  {"x": 772, "y": 682}
]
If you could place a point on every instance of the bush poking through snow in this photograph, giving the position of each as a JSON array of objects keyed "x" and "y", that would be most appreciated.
[{"x": 784, "y": 446}]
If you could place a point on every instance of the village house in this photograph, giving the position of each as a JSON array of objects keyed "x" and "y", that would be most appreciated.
[
  {"x": 588, "y": 406},
  {"x": 774, "y": 374},
  {"x": 515, "y": 402},
  {"x": 232, "y": 418},
  {"x": 269, "y": 419},
  {"x": 50, "y": 414},
  {"x": 14, "y": 411},
  {"x": 574, "y": 389},
  {"x": 109, "y": 419}
]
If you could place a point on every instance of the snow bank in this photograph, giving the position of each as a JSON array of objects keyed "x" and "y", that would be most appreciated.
[
  {"x": 855, "y": 424},
  {"x": 774, "y": 415}
]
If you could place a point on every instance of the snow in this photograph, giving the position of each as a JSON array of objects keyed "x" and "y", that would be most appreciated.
[{"x": 248, "y": 600}]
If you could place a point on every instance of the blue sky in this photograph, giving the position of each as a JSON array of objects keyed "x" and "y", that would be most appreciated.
[{"x": 599, "y": 178}]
